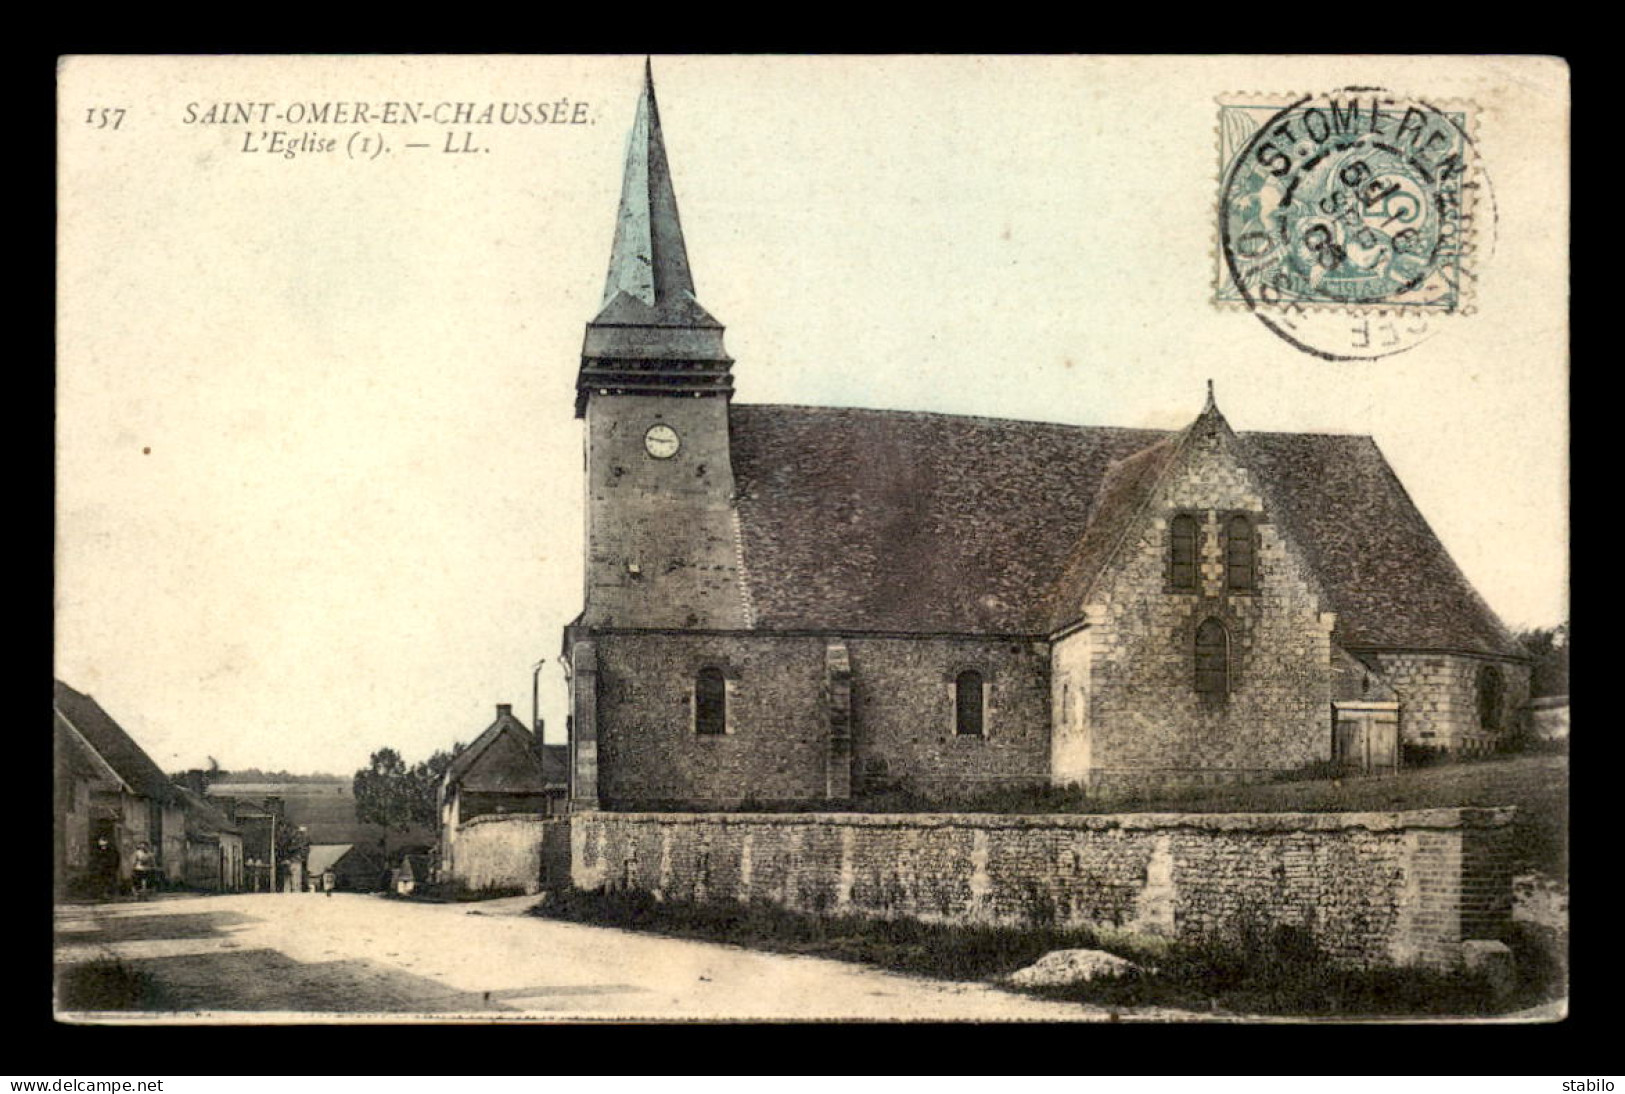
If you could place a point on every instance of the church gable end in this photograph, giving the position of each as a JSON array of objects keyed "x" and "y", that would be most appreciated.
[{"x": 1208, "y": 644}]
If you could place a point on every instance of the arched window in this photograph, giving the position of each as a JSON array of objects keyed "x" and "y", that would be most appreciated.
[
  {"x": 1238, "y": 554},
  {"x": 710, "y": 701},
  {"x": 1182, "y": 533},
  {"x": 1491, "y": 691},
  {"x": 1212, "y": 659},
  {"x": 968, "y": 703}
]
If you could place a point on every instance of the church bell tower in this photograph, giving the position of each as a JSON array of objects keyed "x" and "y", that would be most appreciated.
[{"x": 662, "y": 532}]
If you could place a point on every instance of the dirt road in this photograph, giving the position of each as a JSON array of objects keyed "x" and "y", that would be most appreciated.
[{"x": 265, "y": 957}]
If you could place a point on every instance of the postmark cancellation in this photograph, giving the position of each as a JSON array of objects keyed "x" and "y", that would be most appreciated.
[{"x": 1359, "y": 203}]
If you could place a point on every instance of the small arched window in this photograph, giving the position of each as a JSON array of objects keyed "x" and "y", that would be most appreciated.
[
  {"x": 1212, "y": 659},
  {"x": 710, "y": 701},
  {"x": 1491, "y": 692},
  {"x": 968, "y": 693},
  {"x": 1182, "y": 533},
  {"x": 1238, "y": 554}
]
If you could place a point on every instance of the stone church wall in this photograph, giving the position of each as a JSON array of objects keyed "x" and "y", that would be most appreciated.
[
  {"x": 903, "y": 714},
  {"x": 777, "y": 747},
  {"x": 1146, "y": 722},
  {"x": 1438, "y": 694},
  {"x": 1368, "y": 888},
  {"x": 648, "y": 751}
]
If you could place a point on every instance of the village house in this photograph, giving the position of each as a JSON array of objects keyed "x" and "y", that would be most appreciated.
[
  {"x": 354, "y": 868},
  {"x": 792, "y": 603},
  {"x": 414, "y": 872},
  {"x": 110, "y": 799},
  {"x": 258, "y": 822},
  {"x": 506, "y": 770},
  {"x": 214, "y": 847}
]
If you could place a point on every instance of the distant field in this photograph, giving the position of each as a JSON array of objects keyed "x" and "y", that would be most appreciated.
[{"x": 326, "y": 809}]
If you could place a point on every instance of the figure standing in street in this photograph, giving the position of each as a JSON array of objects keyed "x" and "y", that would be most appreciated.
[
  {"x": 106, "y": 866},
  {"x": 145, "y": 869}
]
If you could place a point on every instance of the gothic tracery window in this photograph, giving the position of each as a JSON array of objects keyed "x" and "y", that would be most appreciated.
[
  {"x": 1239, "y": 552},
  {"x": 1182, "y": 533},
  {"x": 1212, "y": 659}
]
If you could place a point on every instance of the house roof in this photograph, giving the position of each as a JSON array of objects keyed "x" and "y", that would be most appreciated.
[
  {"x": 324, "y": 856},
  {"x": 556, "y": 764},
  {"x": 902, "y": 521},
  {"x": 116, "y": 747},
  {"x": 74, "y": 755},
  {"x": 203, "y": 817},
  {"x": 503, "y": 758}
]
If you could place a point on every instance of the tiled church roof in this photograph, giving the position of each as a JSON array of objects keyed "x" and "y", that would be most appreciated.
[
  {"x": 1123, "y": 489},
  {"x": 869, "y": 520},
  {"x": 1391, "y": 581}
]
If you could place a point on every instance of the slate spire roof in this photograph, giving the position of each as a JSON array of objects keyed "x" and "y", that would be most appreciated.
[
  {"x": 651, "y": 334},
  {"x": 648, "y": 261}
]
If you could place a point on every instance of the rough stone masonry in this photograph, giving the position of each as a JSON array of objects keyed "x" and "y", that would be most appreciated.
[{"x": 1371, "y": 889}]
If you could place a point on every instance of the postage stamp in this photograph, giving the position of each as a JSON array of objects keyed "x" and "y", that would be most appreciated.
[{"x": 1355, "y": 205}]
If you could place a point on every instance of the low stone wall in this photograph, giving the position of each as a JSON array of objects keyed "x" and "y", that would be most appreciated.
[
  {"x": 507, "y": 851},
  {"x": 1370, "y": 888}
]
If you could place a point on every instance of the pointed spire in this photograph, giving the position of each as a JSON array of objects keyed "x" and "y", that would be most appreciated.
[
  {"x": 1211, "y": 421},
  {"x": 648, "y": 260},
  {"x": 650, "y": 335}
]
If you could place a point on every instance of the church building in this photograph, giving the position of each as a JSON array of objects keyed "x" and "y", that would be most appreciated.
[{"x": 794, "y": 604}]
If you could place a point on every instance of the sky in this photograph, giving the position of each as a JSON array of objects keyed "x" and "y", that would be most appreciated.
[{"x": 318, "y": 475}]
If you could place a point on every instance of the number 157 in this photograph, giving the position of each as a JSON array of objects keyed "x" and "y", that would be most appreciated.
[{"x": 105, "y": 117}]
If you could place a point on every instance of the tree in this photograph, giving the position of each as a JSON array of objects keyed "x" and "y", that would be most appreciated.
[
  {"x": 1549, "y": 646},
  {"x": 384, "y": 793},
  {"x": 391, "y": 794},
  {"x": 292, "y": 843},
  {"x": 435, "y": 767}
]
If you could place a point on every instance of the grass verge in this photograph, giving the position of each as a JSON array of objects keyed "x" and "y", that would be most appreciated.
[
  {"x": 107, "y": 984},
  {"x": 1536, "y": 784},
  {"x": 1262, "y": 971}
]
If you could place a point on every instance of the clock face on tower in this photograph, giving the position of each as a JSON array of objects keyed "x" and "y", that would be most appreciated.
[{"x": 661, "y": 442}]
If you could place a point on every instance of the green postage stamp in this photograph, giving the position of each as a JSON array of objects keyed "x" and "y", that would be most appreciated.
[{"x": 1359, "y": 201}]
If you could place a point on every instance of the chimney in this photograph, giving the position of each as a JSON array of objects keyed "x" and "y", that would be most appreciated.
[{"x": 504, "y": 710}]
